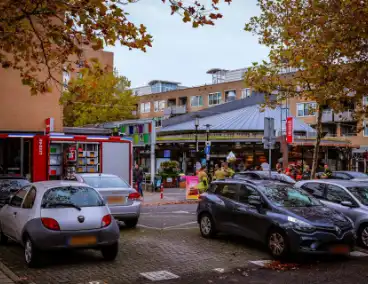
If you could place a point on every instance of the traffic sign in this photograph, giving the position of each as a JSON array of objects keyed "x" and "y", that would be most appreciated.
[{"x": 207, "y": 150}]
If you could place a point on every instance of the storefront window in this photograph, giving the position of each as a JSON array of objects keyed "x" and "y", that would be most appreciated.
[{"x": 196, "y": 101}]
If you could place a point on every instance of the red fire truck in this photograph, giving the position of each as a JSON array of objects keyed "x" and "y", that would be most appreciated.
[{"x": 58, "y": 155}]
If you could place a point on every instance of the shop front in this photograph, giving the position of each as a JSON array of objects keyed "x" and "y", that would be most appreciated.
[{"x": 58, "y": 156}]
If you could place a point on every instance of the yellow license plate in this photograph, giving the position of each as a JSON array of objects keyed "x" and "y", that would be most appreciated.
[
  {"x": 116, "y": 200},
  {"x": 83, "y": 240}
]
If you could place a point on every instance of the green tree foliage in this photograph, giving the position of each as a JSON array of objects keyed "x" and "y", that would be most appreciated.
[
  {"x": 324, "y": 42},
  {"x": 99, "y": 95},
  {"x": 40, "y": 37}
]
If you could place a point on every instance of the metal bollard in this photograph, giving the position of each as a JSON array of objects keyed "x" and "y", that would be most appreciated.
[{"x": 162, "y": 191}]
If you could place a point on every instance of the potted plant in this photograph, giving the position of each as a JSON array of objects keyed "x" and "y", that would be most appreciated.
[{"x": 169, "y": 172}]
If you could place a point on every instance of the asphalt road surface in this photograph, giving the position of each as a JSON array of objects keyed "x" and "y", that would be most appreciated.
[{"x": 167, "y": 244}]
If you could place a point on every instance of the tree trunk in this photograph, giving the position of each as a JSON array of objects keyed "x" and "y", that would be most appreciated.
[{"x": 318, "y": 142}]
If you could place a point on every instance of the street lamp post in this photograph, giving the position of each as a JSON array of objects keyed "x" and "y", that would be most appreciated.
[
  {"x": 196, "y": 124},
  {"x": 207, "y": 139}
]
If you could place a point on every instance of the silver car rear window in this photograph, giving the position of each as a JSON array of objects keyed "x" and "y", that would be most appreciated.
[
  {"x": 106, "y": 182},
  {"x": 80, "y": 196}
]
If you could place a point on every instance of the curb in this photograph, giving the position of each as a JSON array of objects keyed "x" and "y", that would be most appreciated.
[{"x": 170, "y": 203}]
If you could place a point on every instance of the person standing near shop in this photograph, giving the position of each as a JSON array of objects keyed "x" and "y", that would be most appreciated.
[
  {"x": 219, "y": 173},
  {"x": 327, "y": 172},
  {"x": 228, "y": 171},
  {"x": 203, "y": 180},
  {"x": 138, "y": 178}
]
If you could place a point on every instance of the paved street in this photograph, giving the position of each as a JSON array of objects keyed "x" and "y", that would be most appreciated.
[{"x": 168, "y": 238}]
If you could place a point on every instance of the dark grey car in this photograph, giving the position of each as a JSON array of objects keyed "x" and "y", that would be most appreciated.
[
  {"x": 286, "y": 219},
  {"x": 345, "y": 196}
]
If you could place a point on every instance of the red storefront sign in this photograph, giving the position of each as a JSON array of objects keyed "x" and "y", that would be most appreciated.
[
  {"x": 289, "y": 130},
  {"x": 39, "y": 158},
  {"x": 49, "y": 125}
]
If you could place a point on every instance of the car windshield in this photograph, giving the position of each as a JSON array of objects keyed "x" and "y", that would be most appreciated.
[
  {"x": 360, "y": 192},
  {"x": 106, "y": 182},
  {"x": 12, "y": 184},
  {"x": 357, "y": 175},
  {"x": 71, "y": 196},
  {"x": 287, "y": 196}
]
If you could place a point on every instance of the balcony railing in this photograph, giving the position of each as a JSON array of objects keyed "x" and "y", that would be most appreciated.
[
  {"x": 174, "y": 110},
  {"x": 330, "y": 116}
]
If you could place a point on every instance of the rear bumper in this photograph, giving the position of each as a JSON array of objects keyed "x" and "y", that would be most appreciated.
[
  {"x": 319, "y": 242},
  {"x": 126, "y": 212},
  {"x": 45, "y": 239}
]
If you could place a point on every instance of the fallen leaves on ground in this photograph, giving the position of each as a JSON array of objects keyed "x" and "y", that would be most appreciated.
[{"x": 277, "y": 265}]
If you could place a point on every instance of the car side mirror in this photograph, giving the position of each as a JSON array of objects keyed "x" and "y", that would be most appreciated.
[
  {"x": 347, "y": 203},
  {"x": 255, "y": 200}
]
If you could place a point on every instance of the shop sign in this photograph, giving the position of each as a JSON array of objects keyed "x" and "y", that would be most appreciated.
[
  {"x": 49, "y": 125},
  {"x": 192, "y": 192},
  {"x": 40, "y": 146},
  {"x": 289, "y": 130}
]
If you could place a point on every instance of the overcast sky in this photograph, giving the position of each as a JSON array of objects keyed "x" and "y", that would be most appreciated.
[{"x": 183, "y": 54}]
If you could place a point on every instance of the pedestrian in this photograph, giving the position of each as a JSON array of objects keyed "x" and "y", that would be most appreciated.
[
  {"x": 279, "y": 168},
  {"x": 306, "y": 173},
  {"x": 138, "y": 177},
  {"x": 327, "y": 172},
  {"x": 202, "y": 180},
  {"x": 219, "y": 173},
  {"x": 228, "y": 171}
]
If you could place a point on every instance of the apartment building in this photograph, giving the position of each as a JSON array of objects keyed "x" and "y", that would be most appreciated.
[
  {"x": 163, "y": 99},
  {"x": 23, "y": 116}
]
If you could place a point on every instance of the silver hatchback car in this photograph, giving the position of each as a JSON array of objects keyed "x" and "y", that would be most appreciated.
[
  {"x": 55, "y": 215},
  {"x": 345, "y": 196},
  {"x": 123, "y": 200}
]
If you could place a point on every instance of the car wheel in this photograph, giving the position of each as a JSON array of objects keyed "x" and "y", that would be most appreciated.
[
  {"x": 31, "y": 253},
  {"x": 363, "y": 236},
  {"x": 3, "y": 238},
  {"x": 131, "y": 223},
  {"x": 110, "y": 252},
  {"x": 278, "y": 244},
  {"x": 207, "y": 226}
]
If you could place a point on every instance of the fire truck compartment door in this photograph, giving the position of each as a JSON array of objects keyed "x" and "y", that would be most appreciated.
[{"x": 116, "y": 159}]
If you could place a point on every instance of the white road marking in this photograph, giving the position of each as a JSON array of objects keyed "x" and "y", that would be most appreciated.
[
  {"x": 176, "y": 227},
  {"x": 358, "y": 254},
  {"x": 180, "y": 212},
  {"x": 159, "y": 275},
  {"x": 219, "y": 270},
  {"x": 186, "y": 228},
  {"x": 261, "y": 263},
  {"x": 180, "y": 225}
]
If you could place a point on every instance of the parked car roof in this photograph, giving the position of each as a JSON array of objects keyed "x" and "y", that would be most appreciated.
[
  {"x": 96, "y": 175},
  {"x": 43, "y": 186},
  {"x": 336, "y": 181},
  {"x": 254, "y": 182}
]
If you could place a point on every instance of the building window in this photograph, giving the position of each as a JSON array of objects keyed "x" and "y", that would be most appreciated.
[
  {"x": 214, "y": 99},
  {"x": 365, "y": 131},
  {"x": 66, "y": 79},
  {"x": 365, "y": 101},
  {"x": 145, "y": 107},
  {"x": 196, "y": 101},
  {"x": 306, "y": 109},
  {"x": 230, "y": 95},
  {"x": 158, "y": 121},
  {"x": 246, "y": 93},
  {"x": 159, "y": 105}
]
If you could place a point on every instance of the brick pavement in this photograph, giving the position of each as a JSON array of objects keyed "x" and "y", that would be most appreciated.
[
  {"x": 170, "y": 196},
  {"x": 5, "y": 279},
  {"x": 183, "y": 252}
]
